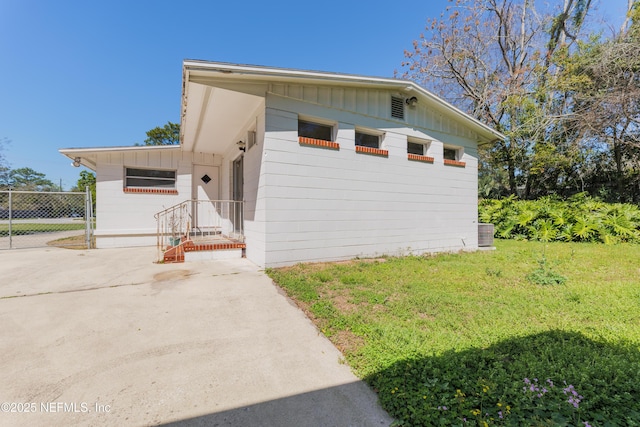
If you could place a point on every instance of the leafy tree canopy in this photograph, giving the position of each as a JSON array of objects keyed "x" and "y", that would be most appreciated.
[
  {"x": 169, "y": 134},
  {"x": 3, "y": 142},
  {"x": 4, "y": 168},
  {"x": 87, "y": 179},
  {"x": 27, "y": 179},
  {"x": 547, "y": 77}
]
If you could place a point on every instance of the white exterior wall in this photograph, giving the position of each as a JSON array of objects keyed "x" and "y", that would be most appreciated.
[
  {"x": 126, "y": 219},
  {"x": 254, "y": 196},
  {"x": 322, "y": 204}
]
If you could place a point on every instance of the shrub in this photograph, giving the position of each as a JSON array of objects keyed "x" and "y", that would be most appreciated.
[{"x": 580, "y": 218}]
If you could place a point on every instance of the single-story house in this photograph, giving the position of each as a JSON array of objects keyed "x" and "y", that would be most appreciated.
[{"x": 300, "y": 166}]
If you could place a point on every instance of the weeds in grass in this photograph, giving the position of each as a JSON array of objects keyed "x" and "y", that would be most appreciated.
[
  {"x": 545, "y": 275},
  {"x": 493, "y": 272}
]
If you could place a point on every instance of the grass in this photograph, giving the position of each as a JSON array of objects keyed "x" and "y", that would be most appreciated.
[
  {"x": 36, "y": 228},
  {"x": 73, "y": 242},
  {"x": 450, "y": 339}
]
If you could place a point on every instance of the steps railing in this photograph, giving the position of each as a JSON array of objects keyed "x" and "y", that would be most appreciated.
[
  {"x": 221, "y": 219},
  {"x": 204, "y": 220},
  {"x": 172, "y": 227}
]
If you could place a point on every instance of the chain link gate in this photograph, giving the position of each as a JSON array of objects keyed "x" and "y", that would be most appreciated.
[{"x": 30, "y": 219}]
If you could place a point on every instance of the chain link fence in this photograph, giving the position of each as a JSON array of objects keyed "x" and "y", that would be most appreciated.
[{"x": 30, "y": 219}]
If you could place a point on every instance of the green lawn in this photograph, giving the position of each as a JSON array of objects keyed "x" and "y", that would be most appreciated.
[
  {"x": 18, "y": 229},
  {"x": 458, "y": 339}
]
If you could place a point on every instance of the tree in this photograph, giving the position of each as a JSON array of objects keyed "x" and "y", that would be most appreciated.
[
  {"x": 4, "y": 177},
  {"x": 169, "y": 134},
  {"x": 494, "y": 58},
  {"x": 27, "y": 179},
  {"x": 87, "y": 179},
  {"x": 604, "y": 80},
  {"x": 4, "y": 167}
]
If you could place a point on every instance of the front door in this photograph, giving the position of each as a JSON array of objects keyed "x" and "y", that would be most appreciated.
[{"x": 205, "y": 188}]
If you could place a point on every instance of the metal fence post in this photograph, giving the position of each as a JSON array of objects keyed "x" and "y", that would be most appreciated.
[
  {"x": 87, "y": 214},
  {"x": 10, "y": 213}
]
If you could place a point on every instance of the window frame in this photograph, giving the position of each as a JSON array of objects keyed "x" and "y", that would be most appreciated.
[
  {"x": 171, "y": 181},
  {"x": 459, "y": 153},
  {"x": 366, "y": 133},
  {"x": 320, "y": 123},
  {"x": 365, "y": 149},
  {"x": 424, "y": 156},
  {"x": 456, "y": 151},
  {"x": 426, "y": 145}
]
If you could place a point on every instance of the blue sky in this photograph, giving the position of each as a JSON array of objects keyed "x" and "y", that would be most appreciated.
[{"x": 84, "y": 73}]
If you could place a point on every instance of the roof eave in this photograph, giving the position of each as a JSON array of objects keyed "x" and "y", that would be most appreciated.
[
  {"x": 118, "y": 148},
  {"x": 87, "y": 156},
  {"x": 228, "y": 70}
]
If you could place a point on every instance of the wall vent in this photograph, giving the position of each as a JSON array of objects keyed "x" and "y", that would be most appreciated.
[{"x": 397, "y": 108}]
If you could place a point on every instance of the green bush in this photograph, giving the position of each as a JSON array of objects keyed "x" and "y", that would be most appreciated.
[{"x": 578, "y": 219}]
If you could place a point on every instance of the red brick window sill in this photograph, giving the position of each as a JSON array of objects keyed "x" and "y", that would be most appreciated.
[
  {"x": 374, "y": 151},
  {"x": 149, "y": 191},
  {"x": 454, "y": 163},
  {"x": 419, "y": 158},
  {"x": 303, "y": 140}
]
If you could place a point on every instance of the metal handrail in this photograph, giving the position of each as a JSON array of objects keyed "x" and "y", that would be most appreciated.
[
  {"x": 199, "y": 219},
  {"x": 188, "y": 201},
  {"x": 157, "y": 215}
]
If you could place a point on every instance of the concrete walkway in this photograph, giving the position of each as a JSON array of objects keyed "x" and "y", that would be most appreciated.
[{"x": 106, "y": 337}]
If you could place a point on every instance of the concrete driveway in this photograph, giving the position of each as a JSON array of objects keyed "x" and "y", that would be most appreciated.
[{"x": 106, "y": 337}]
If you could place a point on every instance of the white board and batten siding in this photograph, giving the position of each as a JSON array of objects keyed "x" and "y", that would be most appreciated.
[
  {"x": 322, "y": 204},
  {"x": 127, "y": 219}
]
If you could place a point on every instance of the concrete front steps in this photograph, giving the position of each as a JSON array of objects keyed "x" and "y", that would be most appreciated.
[{"x": 189, "y": 250}]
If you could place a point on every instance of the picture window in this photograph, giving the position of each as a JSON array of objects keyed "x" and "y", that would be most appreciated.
[{"x": 154, "y": 178}]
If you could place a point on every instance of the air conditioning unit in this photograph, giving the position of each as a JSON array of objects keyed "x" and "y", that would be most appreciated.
[{"x": 485, "y": 235}]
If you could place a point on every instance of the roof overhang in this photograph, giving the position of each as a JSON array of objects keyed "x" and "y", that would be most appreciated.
[
  {"x": 205, "y": 73},
  {"x": 88, "y": 157},
  {"x": 213, "y": 116}
]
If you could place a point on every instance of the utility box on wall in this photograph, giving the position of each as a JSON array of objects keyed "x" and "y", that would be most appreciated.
[{"x": 485, "y": 235}]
